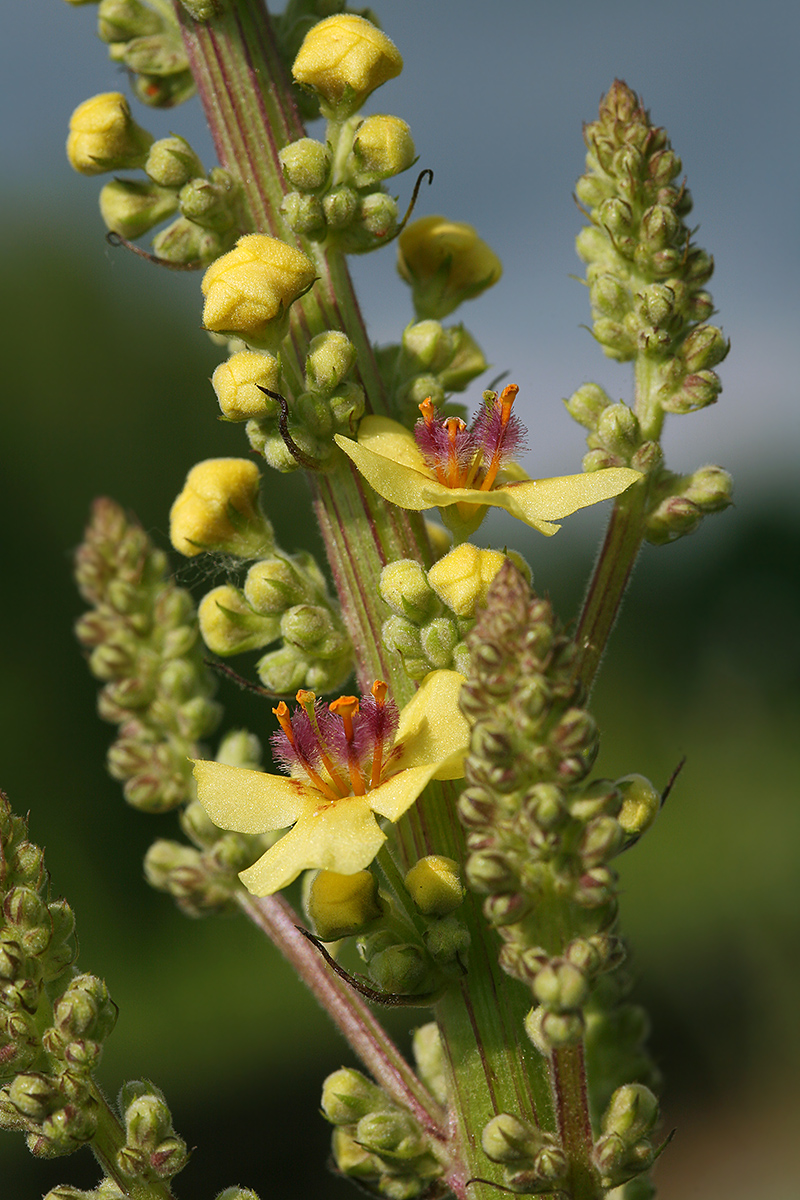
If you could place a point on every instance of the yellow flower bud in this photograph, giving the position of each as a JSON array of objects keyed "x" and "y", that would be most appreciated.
[
  {"x": 344, "y": 58},
  {"x": 461, "y": 579},
  {"x": 249, "y": 290},
  {"x": 383, "y": 146},
  {"x": 229, "y": 626},
  {"x": 236, "y": 382},
  {"x": 445, "y": 262},
  {"x": 340, "y": 905},
  {"x": 218, "y": 510},
  {"x": 103, "y": 136},
  {"x": 435, "y": 886}
]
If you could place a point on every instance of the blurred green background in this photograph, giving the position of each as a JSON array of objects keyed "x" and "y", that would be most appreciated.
[{"x": 105, "y": 374}]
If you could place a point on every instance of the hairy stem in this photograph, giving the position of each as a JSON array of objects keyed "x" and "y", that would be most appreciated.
[{"x": 109, "y": 1139}]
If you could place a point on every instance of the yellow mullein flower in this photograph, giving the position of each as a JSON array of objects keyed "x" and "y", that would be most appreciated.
[
  {"x": 344, "y": 58},
  {"x": 459, "y": 470},
  {"x": 351, "y": 762},
  {"x": 250, "y": 289},
  {"x": 103, "y": 136}
]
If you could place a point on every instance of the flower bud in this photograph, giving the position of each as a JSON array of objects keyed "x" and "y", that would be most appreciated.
[
  {"x": 340, "y": 207},
  {"x": 610, "y": 296},
  {"x": 490, "y": 871},
  {"x": 172, "y": 162},
  {"x": 435, "y": 886},
  {"x": 673, "y": 518},
  {"x": 306, "y": 164},
  {"x": 377, "y": 216},
  {"x": 249, "y": 290},
  {"x": 710, "y": 488},
  {"x": 347, "y": 1096},
  {"x": 392, "y": 1134},
  {"x": 185, "y": 242},
  {"x": 509, "y": 1139},
  {"x": 351, "y": 1159},
  {"x": 341, "y": 905},
  {"x": 104, "y": 136},
  {"x": 218, "y": 510},
  {"x": 210, "y": 202},
  {"x": 404, "y": 587},
  {"x": 399, "y": 969},
  {"x": 283, "y": 671},
  {"x": 618, "y": 430},
  {"x": 704, "y": 347},
  {"x": 462, "y": 578},
  {"x": 445, "y": 263},
  {"x": 229, "y": 626},
  {"x": 346, "y": 405},
  {"x": 146, "y": 1114},
  {"x": 276, "y": 584},
  {"x": 304, "y": 214},
  {"x": 238, "y": 382},
  {"x": 123, "y": 20},
  {"x": 383, "y": 146},
  {"x": 696, "y": 391},
  {"x": 344, "y": 58},
  {"x": 331, "y": 356},
  {"x": 631, "y": 1113},
  {"x": 587, "y": 405},
  {"x": 130, "y": 207},
  {"x": 430, "y": 1060},
  {"x": 311, "y": 628},
  {"x": 438, "y": 640},
  {"x": 640, "y": 804},
  {"x": 561, "y": 986}
]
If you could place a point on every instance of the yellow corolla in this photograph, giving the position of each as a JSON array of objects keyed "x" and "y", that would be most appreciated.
[
  {"x": 442, "y": 464},
  {"x": 351, "y": 762}
]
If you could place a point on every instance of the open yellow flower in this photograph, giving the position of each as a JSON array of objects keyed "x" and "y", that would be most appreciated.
[
  {"x": 443, "y": 464},
  {"x": 350, "y": 763}
]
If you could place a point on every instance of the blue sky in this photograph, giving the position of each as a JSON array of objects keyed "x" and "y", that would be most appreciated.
[{"x": 495, "y": 94}]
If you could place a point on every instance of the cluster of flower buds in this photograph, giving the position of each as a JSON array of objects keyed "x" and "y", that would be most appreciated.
[
  {"x": 535, "y": 827},
  {"x": 681, "y": 502},
  {"x": 104, "y": 137},
  {"x": 646, "y": 277},
  {"x": 625, "y": 1148},
  {"x": 533, "y": 1161},
  {"x": 615, "y": 1042},
  {"x": 141, "y": 635},
  {"x": 375, "y": 1142},
  {"x": 430, "y": 362},
  {"x": 147, "y": 42},
  {"x": 204, "y": 878},
  {"x": 302, "y": 432},
  {"x": 53, "y": 1025},
  {"x": 432, "y": 611}
]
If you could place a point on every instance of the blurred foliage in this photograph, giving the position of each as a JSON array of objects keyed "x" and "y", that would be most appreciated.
[{"x": 105, "y": 377}]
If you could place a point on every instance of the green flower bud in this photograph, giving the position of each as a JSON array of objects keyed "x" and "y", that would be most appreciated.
[
  {"x": 601, "y": 840},
  {"x": 704, "y": 347},
  {"x": 347, "y": 1096},
  {"x": 185, "y": 242},
  {"x": 561, "y": 986},
  {"x": 283, "y": 671},
  {"x": 236, "y": 1193},
  {"x": 210, "y": 202},
  {"x": 351, "y": 1158},
  {"x": 33, "y": 1096},
  {"x": 306, "y": 164},
  {"x": 341, "y": 905},
  {"x": 419, "y": 388},
  {"x": 632, "y": 1112},
  {"x": 313, "y": 412},
  {"x": 587, "y": 405},
  {"x": 438, "y": 640},
  {"x": 276, "y": 584},
  {"x": 347, "y": 406},
  {"x": 130, "y": 207},
  {"x": 659, "y": 227},
  {"x": 402, "y": 635},
  {"x": 430, "y": 1060},
  {"x": 425, "y": 343},
  {"x": 331, "y": 356},
  {"x": 673, "y": 518},
  {"x": 399, "y": 969},
  {"x": 312, "y": 629},
  {"x": 382, "y": 147},
  {"x": 304, "y": 213},
  {"x": 172, "y": 162},
  {"x": 610, "y": 296},
  {"x": 85, "y": 1010},
  {"x": 229, "y": 626},
  {"x": 160, "y": 54},
  {"x": 147, "y": 1118},
  {"x": 640, "y": 804},
  {"x": 377, "y": 216},
  {"x": 618, "y": 430},
  {"x": 240, "y": 748},
  {"x": 435, "y": 886},
  {"x": 710, "y": 488},
  {"x": 123, "y": 20},
  {"x": 447, "y": 940},
  {"x": 615, "y": 338},
  {"x": 490, "y": 871},
  {"x": 340, "y": 207},
  {"x": 468, "y": 361},
  {"x": 509, "y": 1139},
  {"x": 392, "y": 1134}
]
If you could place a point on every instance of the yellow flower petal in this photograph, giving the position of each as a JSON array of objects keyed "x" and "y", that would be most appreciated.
[
  {"x": 342, "y": 836},
  {"x": 432, "y": 728},
  {"x": 251, "y": 801},
  {"x": 394, "y": 797}
]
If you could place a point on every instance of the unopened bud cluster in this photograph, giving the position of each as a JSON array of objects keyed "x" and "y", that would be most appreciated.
[
  {"x": 625, "y": 1147},
  {"x": 431, "y": 362},
  {"x": 646, "y": 277},
  {"x": 539, "y": 837},
  {"x": 533, "y": 1161},
  {"x": 147, "y": 43},
  {"x": 331, "y": 402},
  {"x": 432, "y": 611},
  {"x": 141, "y": 638},
  {"x": 375, "y": 1142}
]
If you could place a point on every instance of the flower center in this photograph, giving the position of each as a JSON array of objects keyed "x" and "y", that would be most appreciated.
[
  {"x": 340, "y": 747},
  {"x": 470, "y": 457}
]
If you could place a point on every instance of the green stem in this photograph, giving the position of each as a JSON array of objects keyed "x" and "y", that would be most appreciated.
[{"x": 108, "y": 1140}]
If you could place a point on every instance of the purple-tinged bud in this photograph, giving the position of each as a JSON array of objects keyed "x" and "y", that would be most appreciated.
[
  {"x": 659, "y": 227},
  {"x": 506, "y": 909},
  {"x": 704, "y": 347},
  {"x": 596, "y": 887},
  {"x": 491, "y": 872},
  {"x": 673, "y": 518},
  {"x": 710, "y": 488},
  {"x": 601, "y": 840},
  {"x": 663, "y": 167}
]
